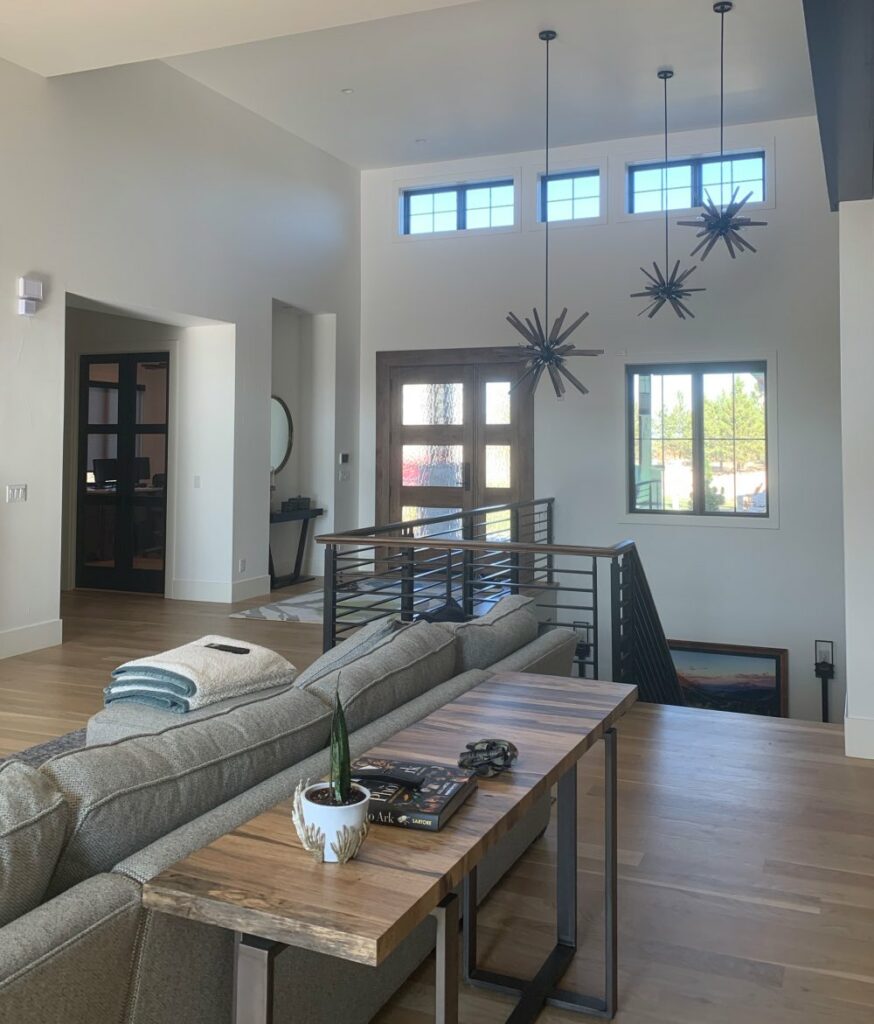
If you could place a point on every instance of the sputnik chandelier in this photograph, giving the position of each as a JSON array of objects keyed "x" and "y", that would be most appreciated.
[
  {"x": 717, "y": 221},
  {"x": 667, "y": 286},
  {"x": 548, "y": 352}
]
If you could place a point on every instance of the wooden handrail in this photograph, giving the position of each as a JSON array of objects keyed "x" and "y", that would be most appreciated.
[{"x": 513, "y": 547}]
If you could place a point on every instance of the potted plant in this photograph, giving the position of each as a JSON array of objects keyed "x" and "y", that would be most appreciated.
[{"x": 331, "y": 817}]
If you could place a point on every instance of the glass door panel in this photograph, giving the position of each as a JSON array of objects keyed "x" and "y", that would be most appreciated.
[{"x": 121, "y": 520}]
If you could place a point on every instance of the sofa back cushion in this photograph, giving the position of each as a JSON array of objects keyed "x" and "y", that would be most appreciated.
[
  {"x": 127, "y": 794},
  {"x": 482, "y": 642},
  {"x": 359, "y": 643},
  {"x": 33, "y": 822},
  {"x": 401, "y": 667}
]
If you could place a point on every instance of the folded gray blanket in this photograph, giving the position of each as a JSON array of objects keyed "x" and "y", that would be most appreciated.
[{"x": 197, "y": 674}]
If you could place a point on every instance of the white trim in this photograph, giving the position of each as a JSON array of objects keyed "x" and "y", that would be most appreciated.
[
  {"x": 769, "y": 522},
  {"x": 258, "y": 586},
  {"x": 472, "y": 179},
  {"x": 213, "y": 591},
  {"x": 619, "y": 208},
  {"x": 859, "y": 737},
  {"x": 24, "y": 639}
]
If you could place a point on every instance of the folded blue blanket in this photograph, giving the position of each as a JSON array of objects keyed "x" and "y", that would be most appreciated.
[{"x": 195, "y": 675}]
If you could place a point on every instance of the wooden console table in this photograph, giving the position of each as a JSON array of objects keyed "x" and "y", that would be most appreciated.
[
  {"x": 302, "y": 516},
  {"x": 258, "y": 882}
]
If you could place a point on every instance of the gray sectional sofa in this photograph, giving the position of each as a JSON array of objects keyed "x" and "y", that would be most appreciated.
[{"x": 80, "y": 835}]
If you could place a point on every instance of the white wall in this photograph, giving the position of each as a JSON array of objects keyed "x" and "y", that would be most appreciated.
[
  {"x": 776, "y": 584},
  {"x": 137, "y": 187},
  {"x": 857, "y": 375},
  {"x": 304, "y": 375}
]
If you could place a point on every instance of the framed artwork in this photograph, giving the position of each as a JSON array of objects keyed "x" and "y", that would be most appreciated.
[{"x": 729, "y": 677}]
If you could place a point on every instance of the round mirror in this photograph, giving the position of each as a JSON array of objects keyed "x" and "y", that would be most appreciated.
[{"x": 281, "y": 434}]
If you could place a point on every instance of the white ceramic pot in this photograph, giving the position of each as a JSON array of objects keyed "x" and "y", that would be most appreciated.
[{"x": 330, "y": 820}]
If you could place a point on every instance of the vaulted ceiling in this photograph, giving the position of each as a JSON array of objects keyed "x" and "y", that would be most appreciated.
[{"x": 390, "y": 82}]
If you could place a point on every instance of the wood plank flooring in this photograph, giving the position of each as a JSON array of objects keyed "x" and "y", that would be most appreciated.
[
  {"x": 746, "y": 844},
  {"x": 50, "y": 692}
]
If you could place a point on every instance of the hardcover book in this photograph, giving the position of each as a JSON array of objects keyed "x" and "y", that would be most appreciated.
[{"x": 412, "y": 794}]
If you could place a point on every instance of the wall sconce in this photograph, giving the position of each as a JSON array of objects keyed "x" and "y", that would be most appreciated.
[
  {"x": 30, "y": 294},
  {"x": 824, "y": 669}
]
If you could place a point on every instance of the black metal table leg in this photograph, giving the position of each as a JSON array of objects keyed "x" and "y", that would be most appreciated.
[
  {"x": 542, "y": 989},
  {"x": 446, "y": 997},
  {"x": 278, "y": 582},
  {"x": 253, "y": 979}
]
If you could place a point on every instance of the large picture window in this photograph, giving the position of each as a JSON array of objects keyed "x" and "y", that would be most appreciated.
[{"x": 698, "y": 442}]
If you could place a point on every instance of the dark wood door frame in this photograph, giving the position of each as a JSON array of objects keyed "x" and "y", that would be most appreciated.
[
  {"x": 122, "y": 575},
  {"x": 513, "y": 356}
]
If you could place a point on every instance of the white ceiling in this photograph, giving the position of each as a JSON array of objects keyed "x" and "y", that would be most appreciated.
[
  {"x": 56, "y": 37},
  {"x": 469, "y": 79}
]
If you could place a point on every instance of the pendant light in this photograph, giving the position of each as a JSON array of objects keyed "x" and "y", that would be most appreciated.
[
  {"x": 717, "y": 221},
  {"x": 547, "y": 352},
  {"x": 666, "y": 287}
]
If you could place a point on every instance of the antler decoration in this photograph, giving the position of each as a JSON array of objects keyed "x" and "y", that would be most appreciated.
[
  {"x": 312, "y": 838},
  {"x": 349, "y": 842},
  {"x": 548, "y": 352}
]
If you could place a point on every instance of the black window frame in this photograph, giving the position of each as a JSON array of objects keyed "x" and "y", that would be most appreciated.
[
  {"x": 696, "y": 371},
  {"x": 460, "y": 203},
  {"x": 696, "y": 163},
  {"x": 564, "y": 176}
]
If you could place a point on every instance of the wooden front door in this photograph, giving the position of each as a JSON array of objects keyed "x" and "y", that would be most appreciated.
[{"x": 452, "y": 436}]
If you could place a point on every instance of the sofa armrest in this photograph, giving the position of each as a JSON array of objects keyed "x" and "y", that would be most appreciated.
[{"x": 69, "y": 961}]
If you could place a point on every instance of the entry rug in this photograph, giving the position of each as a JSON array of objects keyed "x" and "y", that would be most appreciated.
[{"x": 352, "y": 609}]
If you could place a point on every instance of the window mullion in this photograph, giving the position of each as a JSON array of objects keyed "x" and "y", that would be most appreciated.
[
  {"x": 461, "y": 208},
  {"x": 698, "y": 468}
]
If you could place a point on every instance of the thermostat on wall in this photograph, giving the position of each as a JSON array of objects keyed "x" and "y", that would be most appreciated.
[{"x": 344, "y": 458}]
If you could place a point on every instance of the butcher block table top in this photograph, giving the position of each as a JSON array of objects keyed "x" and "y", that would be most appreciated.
[{"x": 259, "y": 880}]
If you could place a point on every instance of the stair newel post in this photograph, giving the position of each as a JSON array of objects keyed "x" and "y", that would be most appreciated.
[
  {"x": 408, "y": 585},
  {"x": 329, "y": 611},
  {"x": 514, "y": 558},
  {"x": 467, "y": 568}
]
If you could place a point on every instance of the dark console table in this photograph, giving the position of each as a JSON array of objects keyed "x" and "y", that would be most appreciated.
[{"x": 302, "y": 516}]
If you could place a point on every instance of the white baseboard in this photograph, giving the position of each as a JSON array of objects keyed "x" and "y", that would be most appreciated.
[
  {"x": 212, "y": 591},
  {"x": 216, "y": 592},
  {"x": 31, "y": 638},
  {"x": 859, "y": 737},
  {"x": 257, "y": 587}
]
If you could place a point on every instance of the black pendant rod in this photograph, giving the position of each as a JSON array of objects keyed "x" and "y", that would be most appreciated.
[
  {"x": 664, "y": 75},
  {"x": 721, "y": 91},
  {"x": 547, "y": 36}
]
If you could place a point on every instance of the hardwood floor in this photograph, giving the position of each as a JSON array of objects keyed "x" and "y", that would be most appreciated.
[
  {"x": 746, "y": 844},
  {"x": 50, "y": 692}
]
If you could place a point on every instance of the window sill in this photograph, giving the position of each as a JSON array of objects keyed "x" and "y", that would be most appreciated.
[{"x": 770, "y": 522}]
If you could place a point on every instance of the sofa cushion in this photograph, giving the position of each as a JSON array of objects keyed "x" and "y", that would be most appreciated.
[
  {"x": 125, "y": 795},
  {"x": 33, "y": 822},
  {"x": 401, "y": 667},
  {"x": 361, "y": 642},
  {"x": 480, "y": 643}
]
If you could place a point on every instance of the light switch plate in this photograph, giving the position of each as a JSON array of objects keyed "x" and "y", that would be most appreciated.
[{"x": 16, "y": 492}]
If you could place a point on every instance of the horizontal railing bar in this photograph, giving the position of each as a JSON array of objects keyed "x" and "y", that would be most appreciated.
[{"x": 449, "y": 517}]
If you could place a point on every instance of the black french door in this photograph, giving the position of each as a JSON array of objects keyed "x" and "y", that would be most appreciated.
[{"x": 121, "y": 524}]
